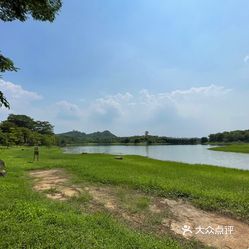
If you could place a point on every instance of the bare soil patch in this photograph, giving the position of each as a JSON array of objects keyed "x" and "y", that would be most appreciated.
[
  {"x": 210, "y": 228},
  {"x": 156, "y": 214},
  {"x": 54, "y": 182}
]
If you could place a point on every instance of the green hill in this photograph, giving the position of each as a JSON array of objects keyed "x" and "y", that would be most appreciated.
[{"x": 77, "y": 137}]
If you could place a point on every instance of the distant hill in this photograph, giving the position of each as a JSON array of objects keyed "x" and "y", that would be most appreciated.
[
  {"x": 106, "y": 137},
  {"x": 72, "y": 134},
  {"x": 77, "y": 137},
  {"x": 101, "y": 135}
]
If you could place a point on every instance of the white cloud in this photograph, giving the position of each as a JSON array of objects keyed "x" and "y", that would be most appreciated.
[
  {"x": 181, "y": 112},
  {"x": 21, "y": 100},
  {"x": 208, "y": 91},
  {"x": 196, "y": 111},
  {"x": 114, "y": 102},
  {"x": 16, "y": 92}
]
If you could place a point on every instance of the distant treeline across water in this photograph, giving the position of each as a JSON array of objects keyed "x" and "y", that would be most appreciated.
[
  {"x": 230, "y": 136},
  {"x": 24, "y": 130},
  {"x": 106, "y": 137}
]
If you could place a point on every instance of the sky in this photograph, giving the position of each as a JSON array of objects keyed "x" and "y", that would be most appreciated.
[{"x": 174, "y": 68}]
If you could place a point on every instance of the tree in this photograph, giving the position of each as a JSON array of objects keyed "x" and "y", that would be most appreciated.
[
  {"x": 3, "y": 138},
  {"x": 204, "y": 140},
  {"x": 10, "y": 10},
  {"x": 5, "y": 126},
  {"x": 22, "y": 121},
  {"x": 24, "y": 130},
  {"x": 44, "y": 127},
  {"x": 48, "y": 140}
]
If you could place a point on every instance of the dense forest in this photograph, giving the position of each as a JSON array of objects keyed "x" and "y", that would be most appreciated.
[
  {"x": 230, "y": 136},
  {"x": 106, "y": 137},
  {"x": 23, "y": 130}
]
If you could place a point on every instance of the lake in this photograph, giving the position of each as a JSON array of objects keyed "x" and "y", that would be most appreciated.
[{"x": 180, "y": 153}]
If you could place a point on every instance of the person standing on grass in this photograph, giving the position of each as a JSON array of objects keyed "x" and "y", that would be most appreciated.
[{"x": 36, "y": 153}]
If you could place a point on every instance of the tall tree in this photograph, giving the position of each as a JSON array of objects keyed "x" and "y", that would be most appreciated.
[
  {"x": 22, "y": 121},
  {"x": 24, "y": 130},
  {"x": 10, "y": 10}
]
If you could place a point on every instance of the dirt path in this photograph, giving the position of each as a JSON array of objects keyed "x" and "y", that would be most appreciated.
[
  {"x": 160, "y": 214},
  {"x": 211, "y": 229},
  {"x": 55, "y": 183}
]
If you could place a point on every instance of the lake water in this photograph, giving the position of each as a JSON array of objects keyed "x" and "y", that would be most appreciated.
[{"x": 180, "y": 153}]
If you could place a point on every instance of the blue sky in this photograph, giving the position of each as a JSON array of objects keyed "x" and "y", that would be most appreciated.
[{"x": 175, "y": 68}]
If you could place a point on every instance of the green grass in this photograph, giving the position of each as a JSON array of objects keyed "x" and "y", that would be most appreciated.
[
  {"x": 134, "y": 203},
  {"x": 30, "y": 220},
  {"x": 238, "y": 148}
]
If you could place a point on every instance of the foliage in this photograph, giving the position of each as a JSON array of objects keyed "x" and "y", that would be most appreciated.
[
  {"x": 232, "y": 136},
  {"x": 43, "y": 127},
  {"x": 3, "y": 101},
  {"x": 77, "y": 137},
  {"x": 6, "y": 64},
  {"x": 21, "y": 121},
  {"x": 158, "y": 140},
  {"x": 204, "y": 140},
  {"x": 43, "y": 10},
  {"x": 23, "y": 130}
]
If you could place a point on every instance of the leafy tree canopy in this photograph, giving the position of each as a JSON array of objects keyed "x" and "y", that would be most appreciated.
[
  {"x": 44, "y": 10},
  {"x": 21, "y": 121},
  {"x": 231, "y": 136},
  {"x": 13, "y": 120},
  {"x": 44, "y": 127},
  {"x": 24, "y": 130},
  {"x": 3, "y": 101}
]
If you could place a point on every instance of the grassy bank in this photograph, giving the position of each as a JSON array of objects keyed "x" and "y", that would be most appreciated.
[
  {"x": 238, "y": 148},
  {"x": 30, "y": 220}
]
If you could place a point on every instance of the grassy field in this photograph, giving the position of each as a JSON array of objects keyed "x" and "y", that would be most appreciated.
[
  {"x": 238, "y": 148},
  {"x": 30, "y": 220}
]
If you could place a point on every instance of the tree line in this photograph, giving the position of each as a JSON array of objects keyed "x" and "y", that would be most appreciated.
[
  {"x": 230, "y": 136},
  {"x": 24, "y": 130},
  {"x": 106, "y": 137},
  {"x": 157, "y": 140}
]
